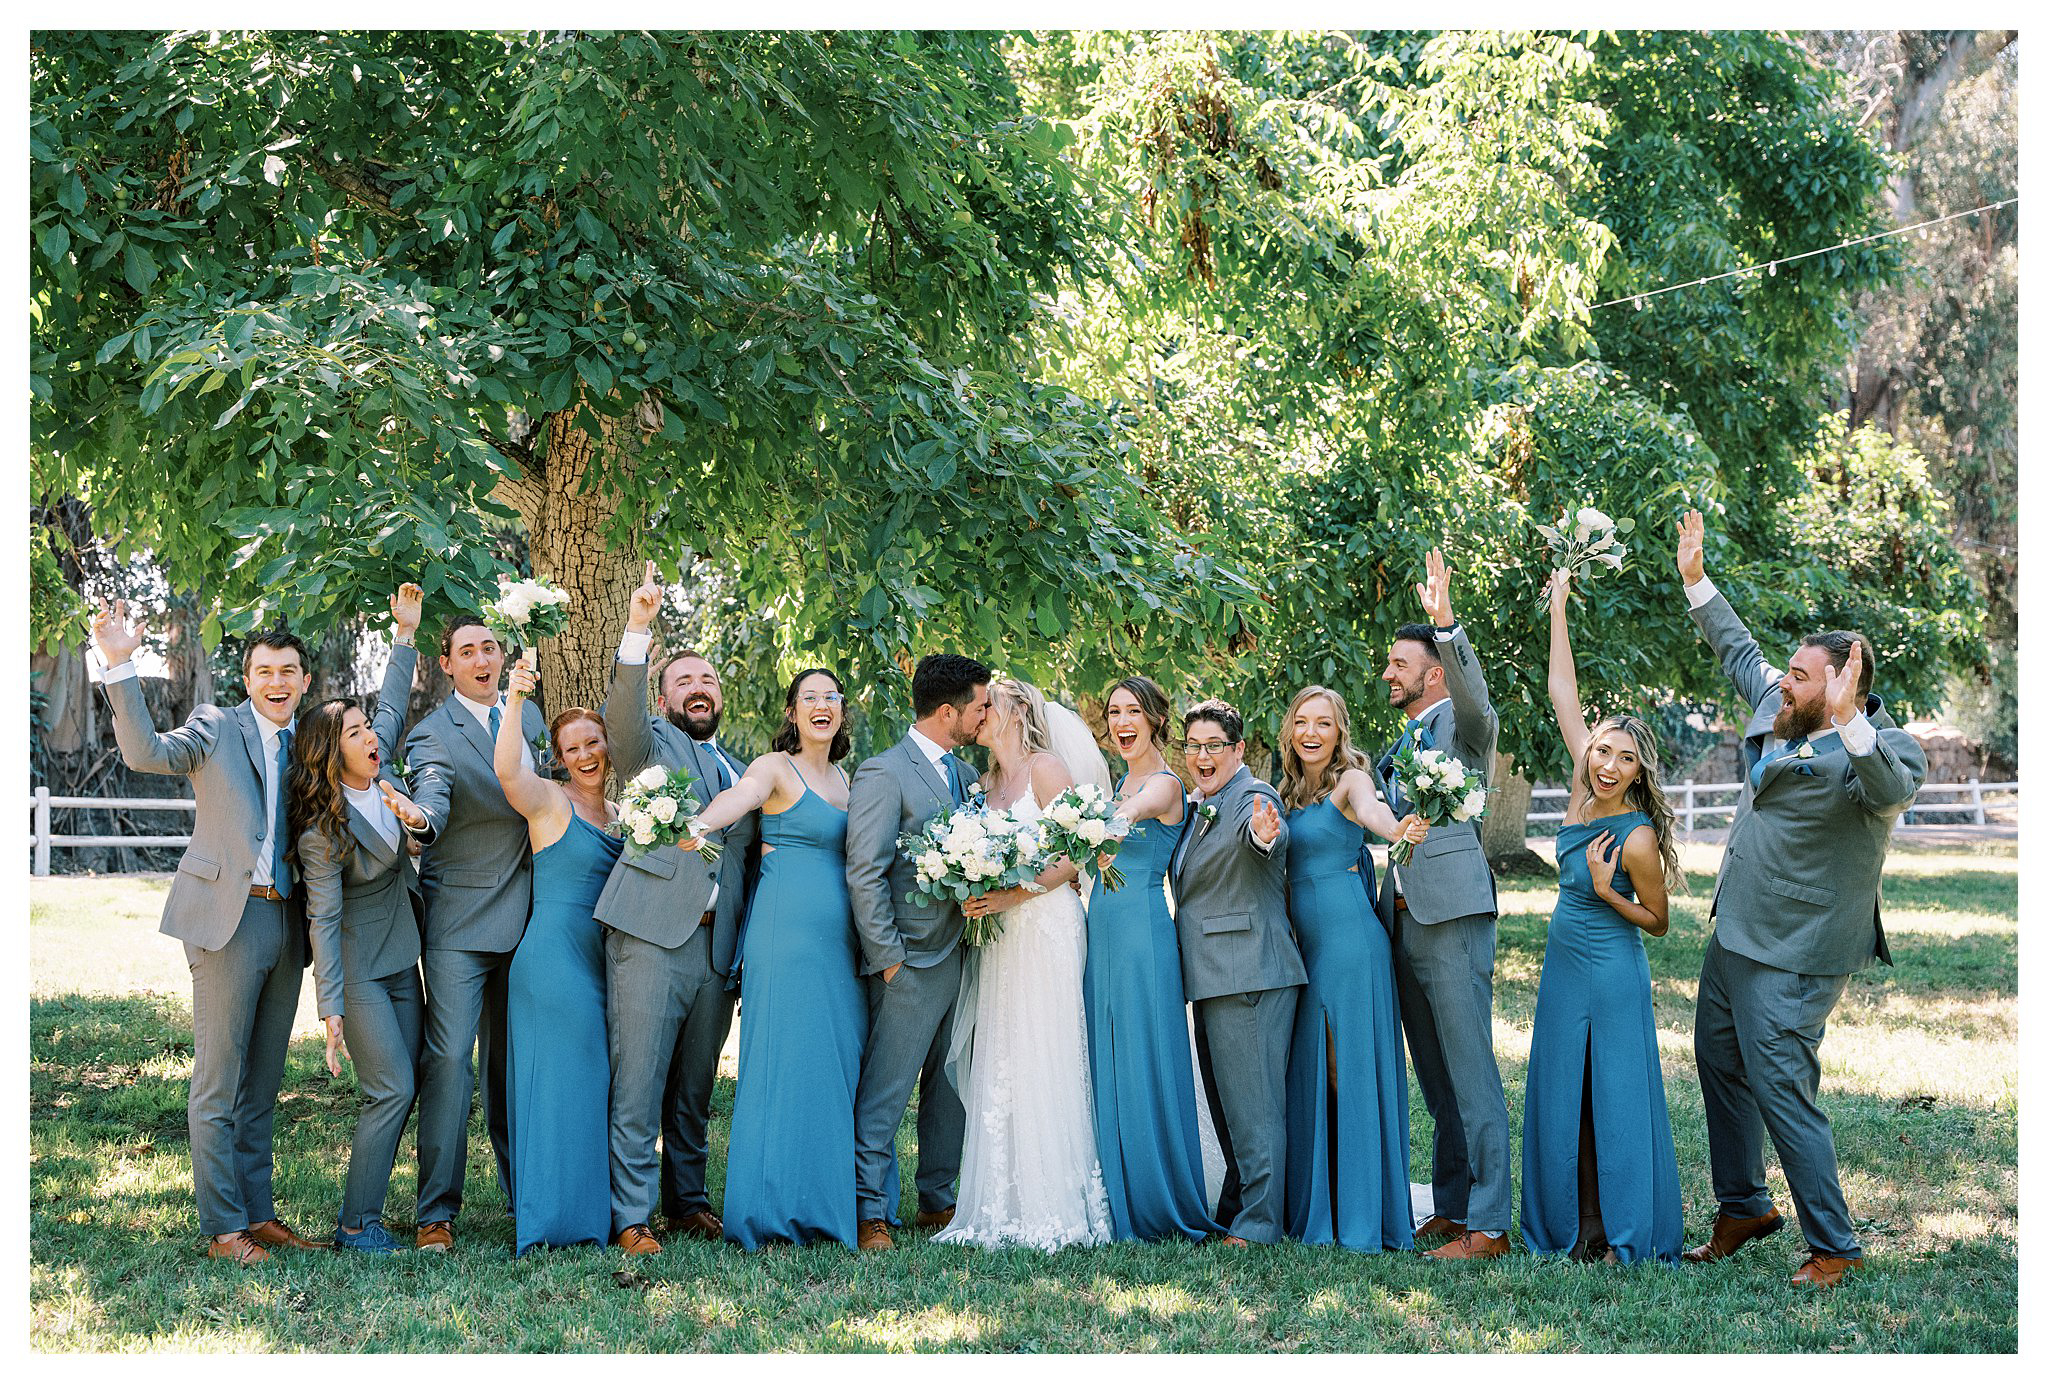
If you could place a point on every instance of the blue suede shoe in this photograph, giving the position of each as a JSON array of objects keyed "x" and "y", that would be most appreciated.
[{"x": 373, "y": 1238}]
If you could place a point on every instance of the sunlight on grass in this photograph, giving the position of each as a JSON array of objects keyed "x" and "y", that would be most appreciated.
[{"x": 935, "y": 1326}]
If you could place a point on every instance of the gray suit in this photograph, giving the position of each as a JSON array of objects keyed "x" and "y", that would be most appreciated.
[
  {"x": 477, "y": 876},
  {"x": 1242, "y": 971},
  {"x": 910, "y": 1019},
  {"x": 1442, "y": 917},
  {"x": 246, "y": 954},
  {"x": 1795, "y": 911},
  {"x": 667, "y": 1006},
  {"x": 364, "y": 915}
]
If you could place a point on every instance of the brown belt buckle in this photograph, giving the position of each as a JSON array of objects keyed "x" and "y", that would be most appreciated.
[
  {"x": 710, "y": 916},
  {"x": 1400, "y": 901},
  {"x": 265, "y": 891}
]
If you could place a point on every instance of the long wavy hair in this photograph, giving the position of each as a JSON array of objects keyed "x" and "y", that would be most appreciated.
[
  {"x": 314, "y": 793},
  {"x": 1645, "y": 795},
  {"x": 1298, "y": 787},
  {"x": 788, "y": 739},
  {"x": 1027, "y": 704},
  {"x": 1152, "y": 705}
]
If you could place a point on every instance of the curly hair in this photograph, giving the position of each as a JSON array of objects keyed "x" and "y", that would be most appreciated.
[
  {"x": 314, "y": 798},
  {"x": 1297, "y": 787},
  {"x": 1646, "y": 794}
]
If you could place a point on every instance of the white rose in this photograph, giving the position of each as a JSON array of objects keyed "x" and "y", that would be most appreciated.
[
  {"x": 650, "y": 778},
  {"x": 515, "y": 606},
  {"x": 1093, "y": 831},
  {"x": 1066, "y": 816},
  {"x": 1592, "y": 520},
  {"x": 557, "y": 597},
  {"x": 1474, "y": 804},
  {"x": 931, "y": 865},
  {"x": 663, "y": 808},
  {"x": 643, "y": 834}
]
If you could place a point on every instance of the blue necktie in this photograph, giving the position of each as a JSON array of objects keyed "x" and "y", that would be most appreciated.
[
  {"x": 1756, "y": 775},
  {"x": 280, "y": 871},
  {"x": 952, "y": 778},
  {"x": 497, "y": 719},
  {"x": 719, "y": 766}
]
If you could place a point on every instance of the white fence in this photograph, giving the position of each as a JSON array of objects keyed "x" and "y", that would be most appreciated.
[{"x": 1685, "y": 801}]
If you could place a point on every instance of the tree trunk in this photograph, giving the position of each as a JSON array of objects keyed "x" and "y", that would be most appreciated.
[
  {"x": 565, "y": 527},
  {"x": 1504, "y": 830}
]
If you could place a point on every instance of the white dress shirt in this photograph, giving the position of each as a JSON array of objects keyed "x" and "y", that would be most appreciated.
[
  {"x": 376, "y": 812},
  {"x": 482, "y": 712},
  {"x": 936, "y": 755},
  {"x": 1858, "y": 735}
]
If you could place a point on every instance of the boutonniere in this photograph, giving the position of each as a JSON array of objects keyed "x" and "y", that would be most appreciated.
[
  {"x": 1805, "y": 752},
  {"x": 539, "y": 746},
  {"x": 1207, "y": 813}
]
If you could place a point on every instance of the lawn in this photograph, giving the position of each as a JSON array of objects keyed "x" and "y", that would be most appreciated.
[{"x": 1920, "y": 1079}]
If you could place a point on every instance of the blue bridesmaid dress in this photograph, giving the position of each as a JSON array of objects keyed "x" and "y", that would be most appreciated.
[
  {"x": 1139, "y": 1056},
  {"x": 1595, "y": 1042},
  {"x": 560, "y": 1068},
  {"x": 1347, "y": 1163},
  {"x": 789, "y": 1161}
]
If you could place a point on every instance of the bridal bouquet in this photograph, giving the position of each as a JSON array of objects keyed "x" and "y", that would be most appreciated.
[
  {"x": 971, "y": 850},
  {"x": 1081, "y": 824},
  {"x": 1584, "y": 542},
  {"x": 527, "y": 610},
  {"x": 1441, "y": 790},
  {"x": 658, "y": 809}
]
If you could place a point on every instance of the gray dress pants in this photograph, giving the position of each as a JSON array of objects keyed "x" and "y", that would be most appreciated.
[
  {"x": 381, "y": 1020},
  {"x": 910, "y": 1026}
]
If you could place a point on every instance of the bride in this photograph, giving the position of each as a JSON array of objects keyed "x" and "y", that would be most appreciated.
[{"x": 1029, "y": 1173}]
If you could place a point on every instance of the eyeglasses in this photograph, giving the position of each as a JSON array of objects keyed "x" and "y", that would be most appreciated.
[
  {"x": 1212, "y": 748},
  {"x": 820, "y": 699}
]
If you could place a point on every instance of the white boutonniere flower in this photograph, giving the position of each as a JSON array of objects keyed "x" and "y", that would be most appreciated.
[
  {"x": 1805, "y": 752},
  {"x": 1207, "y": 812}
]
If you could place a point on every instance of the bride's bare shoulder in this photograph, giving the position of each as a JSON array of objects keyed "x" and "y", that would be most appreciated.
[{"x": 1049, "y": 774}]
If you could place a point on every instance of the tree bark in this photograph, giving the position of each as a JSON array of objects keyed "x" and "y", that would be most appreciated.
[{"x": 1504, "y": 830}]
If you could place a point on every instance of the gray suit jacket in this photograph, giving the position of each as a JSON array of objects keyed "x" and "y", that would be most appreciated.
[
  {"x": 1448, "y": 876},
  {"x": 894, "y": 793},
  {"x": 1231, "y": 901},
  {"x": 477, "y": 869},
  {"x": 221, "y": 751},
  {"x": 1800, "y": 882},
  {"x": 364, "y": 916},
  {"x": 659, "y": 895}
]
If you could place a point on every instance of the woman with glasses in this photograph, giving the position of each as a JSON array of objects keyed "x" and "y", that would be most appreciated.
[
  {"x": 789, "y": 1161},
  {"x": 1599, "y": 1172},
  {"x": 1347, "y": 1081}
]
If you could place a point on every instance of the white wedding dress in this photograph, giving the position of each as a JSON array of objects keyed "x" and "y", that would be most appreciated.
[{"x": 1028, "y": 1173}]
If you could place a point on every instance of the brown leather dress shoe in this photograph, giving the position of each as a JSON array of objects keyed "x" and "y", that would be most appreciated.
[
  {"x": 698, "y": 1225},
  {"x": 635, "y": 1239},
  {"x": 1233, "y": 1241},
  {"x": 1472, "y": 1245},
  {"x": 239, "y": 1246},
  {"x": 1825, "y": 1270},
  {"x": 935, "y": 1220},
  {"x": 1439, "y": 1228},
  {"x": 874, "y": 1234},
  {"x": 278, "y": 1235},
  {"x": 436, "y": 1237},
  {"x": 1731, "y": 1233}
]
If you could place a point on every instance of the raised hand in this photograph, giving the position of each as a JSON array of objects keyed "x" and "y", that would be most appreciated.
[
  {"x": 116, "y": 637},
  {"x": 1265, "y": 821},
  {"x": 1601, "y": 858},
  {"x": 1692, "y": 548},
  {"x": 1435, "y": 592},
  {"x": 402, "y": 807},
  {"x": 405, "y": 612},
  {"x": 524, "y": 678},
  {"x": 1413, "y": 829},
  {"x": 1844, "y": 700},
  {"x": 1559, "y": 590},
  {"x": 646, "y": 602},
  {"x": 336, "y": 1048}
]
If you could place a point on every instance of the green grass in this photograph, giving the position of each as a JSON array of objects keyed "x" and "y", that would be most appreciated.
[{"x": 1921, "y": 1080}]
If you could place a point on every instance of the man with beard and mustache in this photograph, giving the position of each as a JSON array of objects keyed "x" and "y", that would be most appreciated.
[
  {"x": 1796, "y": 911},
  {"x": 1441, "y": 909},
  {"x": 672, "y": 925}
]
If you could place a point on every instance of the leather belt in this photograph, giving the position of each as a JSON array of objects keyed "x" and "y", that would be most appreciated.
[
  {"x": 264, "y": 891},
  {"x": 1400, "y": 902},
  {"x": 710, "y": 916}
]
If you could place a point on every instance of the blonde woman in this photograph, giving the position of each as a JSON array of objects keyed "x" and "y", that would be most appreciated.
[{"x": 1347, "y": 1084}]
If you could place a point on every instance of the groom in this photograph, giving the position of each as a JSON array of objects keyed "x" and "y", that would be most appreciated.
[
  {"x": 911, "y": 951},
  {"x": 1239, "y": 965}
]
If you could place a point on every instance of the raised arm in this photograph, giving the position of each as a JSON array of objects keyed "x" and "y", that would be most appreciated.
[
  {"x": 1476, "y": 724},
  {"x": 178, "y": 751},
  {"x": 1730, "y": 639},
  {"x": 1156, "y": 799},
  {"x": 628, "y": 733},
  {"x": 1564, "y": 673},
  {"x": 874, "y": 808},
  {"x": 1886, "y": 766},
  {"x": 396, "y": 694},
  {"x": 540, "y": 802},
  {"x": 750, "y": 794}
]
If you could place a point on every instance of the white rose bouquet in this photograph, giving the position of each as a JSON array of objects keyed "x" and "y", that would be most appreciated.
[
  {"x": 527, "y": 610},
  {"x": 1585, "y": 542},
  {"x": 1439, "y": 789},
  {"x": 971, "y": 850},
  {"x": 658, "y": 809},
  {"x": 1082, "y": 825}
]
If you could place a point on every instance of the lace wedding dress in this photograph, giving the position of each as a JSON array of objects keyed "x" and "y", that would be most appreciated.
[{"x": 1029, "y": 1173}]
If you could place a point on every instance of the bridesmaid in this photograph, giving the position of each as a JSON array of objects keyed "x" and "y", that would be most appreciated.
[
  {"x": 559, "y": 1069},
  {"x": 1599, "y": 1172},
  {"x": 789, "y": 1159},
  {"x": 1347, "y": 1083},
  {"x": 1138, "y": 1048}
]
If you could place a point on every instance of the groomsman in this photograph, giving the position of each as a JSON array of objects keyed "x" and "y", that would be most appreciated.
[
  {"x": 1239, "y": 966},
  {"x": 232, "y": 904},
  {"x": 910, "y": 951},
  {"x": 1441, "y": 909},
  {"x": 477, "y": 875},
  {"x": 1796, "y": 912},
  {"x": 672, "y": 925}
]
